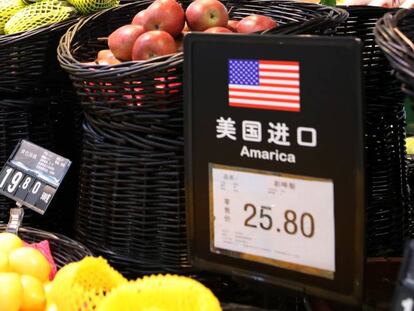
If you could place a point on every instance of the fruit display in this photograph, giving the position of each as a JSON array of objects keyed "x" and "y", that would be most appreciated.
[
  {"x": 92, "y": 284},
  {"x": 38, "y": 14},
  {"x": 89, "y": 6},
  {"x": 25, "y": 270},
  {"x": 7, "y": 9},
  {"x": 29, "y": 282},
  {"x": 159, "y": 29},
  {"x": 23, "y": 15}
]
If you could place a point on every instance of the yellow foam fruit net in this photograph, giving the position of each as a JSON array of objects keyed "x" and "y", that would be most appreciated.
[
  {"x": 39, "y": 14},
  {"x": 161, "y": 293},
  {"x": 81, "y": 286},
  {"x": 7, "y": 9},
  {"x": 91, "y": 6}
]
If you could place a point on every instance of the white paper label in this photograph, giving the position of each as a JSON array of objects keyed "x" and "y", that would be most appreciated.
[{"x": 281, "y": 220}]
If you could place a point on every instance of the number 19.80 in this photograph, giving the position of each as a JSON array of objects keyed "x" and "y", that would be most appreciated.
[{"x": 303, "y": 224}]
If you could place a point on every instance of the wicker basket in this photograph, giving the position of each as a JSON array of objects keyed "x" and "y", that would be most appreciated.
[
  {"x": 131, "y": 206},
  {"x": 64, "y": 250},
  {"x": 395, "y": 35},
  {"x": 388, "y": 201},
  {"x": 28, "y": 60},
  {"x": 380, "y": 85}
]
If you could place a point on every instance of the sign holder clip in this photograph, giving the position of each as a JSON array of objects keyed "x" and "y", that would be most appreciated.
[{"x": 16, "y": 218}]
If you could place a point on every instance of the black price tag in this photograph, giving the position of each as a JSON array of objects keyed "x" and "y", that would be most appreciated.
[
  {"x": 274, "y": 160},
  {"x": 32, "y": 175}
]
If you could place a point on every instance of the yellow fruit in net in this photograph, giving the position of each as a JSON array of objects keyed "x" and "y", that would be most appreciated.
[
  {"x": 9, "y": 242},
  {"x": 91, "y": 6},
  {"x": 161, "y": 293},
  {"x": 11, "y": 292},
  {"x": 7, "y": 9},
  {"x": 30, "y": 261},
  {"x": 4, "y": 262},
  {"x": 409, "y": 142},
  {"x": 34, "y": 298},
  {"x": 39, "y": 14},
  {"x": 83, "y": 285}
]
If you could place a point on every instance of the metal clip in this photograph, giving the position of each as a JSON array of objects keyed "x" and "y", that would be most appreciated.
[{"x": 16, "y": 218}]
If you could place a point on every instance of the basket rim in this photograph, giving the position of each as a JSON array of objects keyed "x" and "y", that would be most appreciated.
[
  {"x": 74, "y": 67},
  {"x": 51, "y": 236},
  {"x": 395, "y": 44}
]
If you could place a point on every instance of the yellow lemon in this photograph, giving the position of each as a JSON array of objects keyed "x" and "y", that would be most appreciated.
[
  {"x": 4, "y": 262},
  {"x": 9, "y": 242},
  {"x": 30, "y": 261},
  {"x": 34, "y": 298},
  {"x": 11, "y": 291}
]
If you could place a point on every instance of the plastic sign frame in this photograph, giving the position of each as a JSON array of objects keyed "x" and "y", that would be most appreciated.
[
  {"x": 330, "y": 148},
  {"x": 32, "y": 175}
]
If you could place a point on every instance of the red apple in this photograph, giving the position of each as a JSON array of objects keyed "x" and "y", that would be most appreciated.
[
  {"x": 218, "y": 30},
  {"x": 105, "y": 54},
  {"x": 255, "y": 23},
  {"x": 122, "y": 40},
  {"x": 204, "y": 14},
  {"x": 152, "y": 44},
  {"x": 166, "y": 15},
  {"x": 139, "y": 18},
  {"x": 232, "y": 25}
]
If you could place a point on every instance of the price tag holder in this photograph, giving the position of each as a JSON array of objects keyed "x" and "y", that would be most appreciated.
[
  {"x": 404, "y": 292},
  {"x": 274, "y": 160},
  {"x": 32, "y": 175}
]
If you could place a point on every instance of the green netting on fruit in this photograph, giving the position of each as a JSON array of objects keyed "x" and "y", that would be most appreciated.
[
  {"x": 91, "y": 6},
  {"x": 39, "y": 14},
  {"x": 7, "y": 9}
]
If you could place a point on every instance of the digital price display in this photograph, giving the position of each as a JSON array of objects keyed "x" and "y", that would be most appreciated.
[
  {"x": 274, "y": 160},
  {"x": 32, "y": 175}
]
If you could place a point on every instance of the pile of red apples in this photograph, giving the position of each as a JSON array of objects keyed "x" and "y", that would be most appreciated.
[{"x": 159, "y": 29}]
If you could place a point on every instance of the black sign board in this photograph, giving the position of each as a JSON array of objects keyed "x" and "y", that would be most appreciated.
[
  {"x": 274, "y": 160},
  {"x": 32, "y": 175},
  {"x": 404, "y": 292}
]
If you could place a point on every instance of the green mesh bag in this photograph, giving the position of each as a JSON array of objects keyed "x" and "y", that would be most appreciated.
[
  {"x": 39, "y": 14},
  {"x": 91, "y": 6},
  {"x": 7, "y": 9}
]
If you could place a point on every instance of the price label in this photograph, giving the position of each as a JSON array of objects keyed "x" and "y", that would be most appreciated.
[
  {"x": 32, "y": 175},
  {"x": 276, "y": 219}
]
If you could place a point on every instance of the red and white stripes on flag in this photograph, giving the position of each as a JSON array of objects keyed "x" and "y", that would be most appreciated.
[{"x": 264, "y": 84}]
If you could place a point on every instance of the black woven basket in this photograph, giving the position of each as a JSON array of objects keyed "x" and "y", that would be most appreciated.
[
  {"x": 64, "y": 250},
  {"x": 28, "y": 59},
  {"x": 380, "y": 84},
  {"x": 395, "y": 35},
  {"x": 131, "y": 206},
  {"x": 388, "y": 201}
]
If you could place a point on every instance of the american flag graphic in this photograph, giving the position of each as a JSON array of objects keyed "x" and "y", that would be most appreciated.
[{"x": 264, "y": 84}]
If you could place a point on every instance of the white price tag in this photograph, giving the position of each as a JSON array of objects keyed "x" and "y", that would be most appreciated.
[{"x": 281, "y": 220}]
